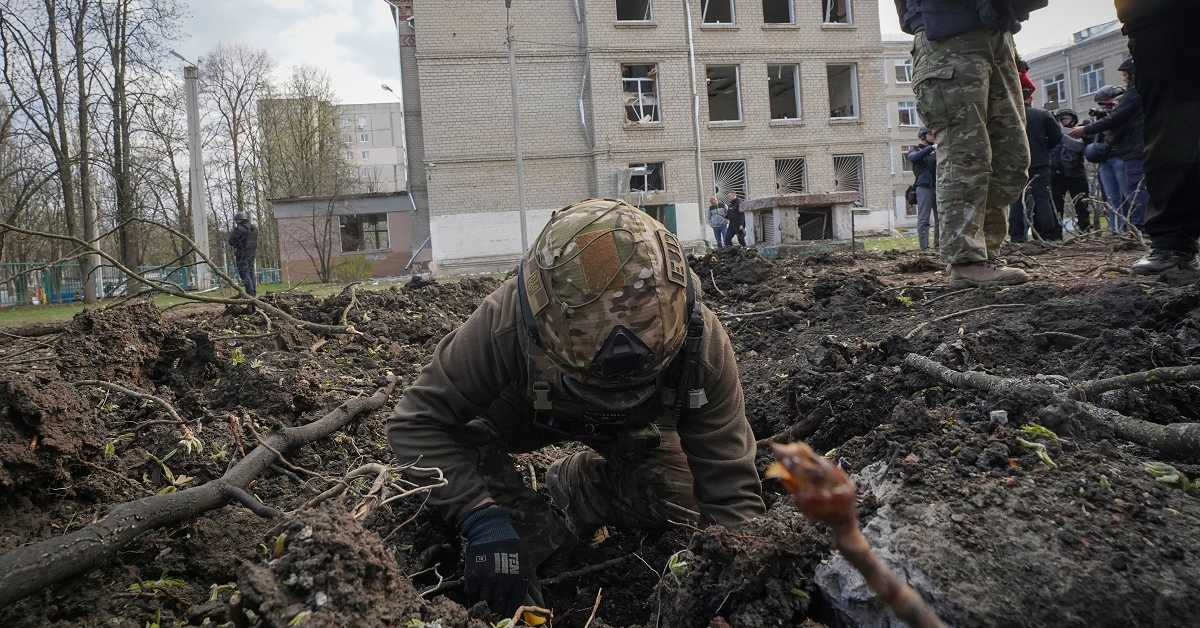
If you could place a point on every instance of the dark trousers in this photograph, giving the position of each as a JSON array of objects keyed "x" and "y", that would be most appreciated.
[
  {"x": 249, "y": 280},
  {"x": 1167, "y": 56},
  {"x": 1037, "y": 206},
  {"x": 735, "y": 230},
  {"x": 926, "y": 213},
  {"x": 1075, "y": 188}
]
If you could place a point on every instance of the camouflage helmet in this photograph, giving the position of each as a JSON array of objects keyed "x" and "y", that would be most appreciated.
[{"x": 605, "y": 292}]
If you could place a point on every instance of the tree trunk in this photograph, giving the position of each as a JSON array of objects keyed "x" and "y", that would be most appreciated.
[
  {"x": 88, "y": 264},
  {"x": 30, "y": 568}
]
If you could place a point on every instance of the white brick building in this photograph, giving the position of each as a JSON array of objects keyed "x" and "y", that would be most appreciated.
[
  {"x": 373, "y": 137},
  {"x": 903, "y": 122},
  {"x": 604, "y": 87},
  {"x": 1067, "y": 76}
]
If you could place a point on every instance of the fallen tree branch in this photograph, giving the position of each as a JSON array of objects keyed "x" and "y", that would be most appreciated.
[
  {"x": 137, "y": 394},
  {"x": 1162, "y": 375},
  {"x": 345, "y": 320},
  {"x": 713, "y": 277},
  {"x": 994, "y": 306},
  {"x": 33, "y": 567},
  {"x": 1175, "y": 439}
]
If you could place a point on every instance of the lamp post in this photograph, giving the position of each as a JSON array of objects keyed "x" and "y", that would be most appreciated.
[{"x": 191, "y": 80}]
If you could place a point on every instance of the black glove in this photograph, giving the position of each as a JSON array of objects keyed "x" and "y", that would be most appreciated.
[{"x": 494, "y": 569}]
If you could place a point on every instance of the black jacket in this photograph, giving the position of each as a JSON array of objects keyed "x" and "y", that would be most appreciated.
[
  {"x": 943, "y": 19},
  {"x": 1123, "y": 127},
  {"x": 924, "y": 161},
  {"x": 244, "y": 242},
  {"x": 1044, "y": 134},
  {"x": 1066, "y": 159},
  {"x": 733, "y": 213}
]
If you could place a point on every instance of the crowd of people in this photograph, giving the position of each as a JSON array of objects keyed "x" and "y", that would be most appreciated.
[{"x": 1143, "y": 137}]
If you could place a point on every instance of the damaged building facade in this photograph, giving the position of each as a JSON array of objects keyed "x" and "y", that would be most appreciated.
[{"x": 790, "y": 101}]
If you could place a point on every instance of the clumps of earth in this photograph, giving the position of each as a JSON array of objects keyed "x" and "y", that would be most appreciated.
[{"x": 993, "y": 532}]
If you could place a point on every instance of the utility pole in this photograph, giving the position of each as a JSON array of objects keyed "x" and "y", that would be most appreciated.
[
  {"x": 700, "y": 200},
  {"x": 516, "y": 123},
  {"x": 191, "y": 79}
]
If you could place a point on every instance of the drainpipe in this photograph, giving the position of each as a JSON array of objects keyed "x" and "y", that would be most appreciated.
[{"x": 687, "y": 20}]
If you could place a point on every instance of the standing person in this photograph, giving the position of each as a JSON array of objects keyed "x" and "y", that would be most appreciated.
[
  {"x": 244, "y": 242},
  {"x": 1124, "y": 130},
  {"x": 737, "y": 221},
  {"x": 1068, "y": 177},
  {"x": 969, "y": 95},
  {"x": 924, "y": 165},
  {"x": 1162, "y": 39},
  {"x": 1043, "y": 134},
  {"x": 716, "y": 218},
  {"x": 601, "y": 338}
]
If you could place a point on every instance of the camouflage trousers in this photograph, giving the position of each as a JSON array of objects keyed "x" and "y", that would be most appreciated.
[{"x": 969, "y": 94}]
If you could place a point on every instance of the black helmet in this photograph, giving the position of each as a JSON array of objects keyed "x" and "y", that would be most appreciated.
[
  {"x": 1064, "y": 113},
  {"x": 240, "y": 217},
  {"x": 1126, "y": 66},
  {"x": 922, "y": 133},
  {"x": 1109, "y": 93}
]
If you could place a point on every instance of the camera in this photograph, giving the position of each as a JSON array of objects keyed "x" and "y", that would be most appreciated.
[{"x": 1098, "y": 113}]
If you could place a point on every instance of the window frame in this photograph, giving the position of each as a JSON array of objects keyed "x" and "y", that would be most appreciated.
[
  {"x": 791, "y": 5},
  {"x": 798, "y": 101},
  {"x": 862, "y": 176},
  {"x": 366, "y": 154},
  {"x": 363, "y": 122},
  {"x": 649, "y": 19},
  {"x": 905, "y": 164},
  {"x": 732, "y": 4},
  {"x": 1059, "y": 83},
  {"x": 915, "y": 118},
  {"x": 1096, "y": 69},
  {"x": 662, "y": 177},
  {"x": 745, "y": 191},
  {"x": 737, "y": 86},
  {"x": 802, "y": 167},
  {"x": 379, "y": 218},
  {"x": 855, "y": 98},
  {"x": 907, "y": 64},
  {"x": 364, "y": 137},
  {"x": 639, "y": 81},
  {"x": 849, "y": 13}
]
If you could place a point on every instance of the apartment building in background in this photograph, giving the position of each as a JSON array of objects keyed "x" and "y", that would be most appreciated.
[
  {"x": 1069, "y": 75},
  {"x": 373, "y": 137},
  {"x": 789, "y": 101},
  {"x": 903, "y": 122}
]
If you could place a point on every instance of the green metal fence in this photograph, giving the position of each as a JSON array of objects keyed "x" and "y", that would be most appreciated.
[{"x": 30, "y": 283}]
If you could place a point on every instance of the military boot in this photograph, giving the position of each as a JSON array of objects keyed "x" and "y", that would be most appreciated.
[
  {"x": 984, "y": 274},
  {"x": 1162, "y": 260}
]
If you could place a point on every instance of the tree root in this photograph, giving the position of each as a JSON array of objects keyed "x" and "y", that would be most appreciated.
[
  {"x": 33, "y": 567},
  {"x": 1180, "y": 440}
]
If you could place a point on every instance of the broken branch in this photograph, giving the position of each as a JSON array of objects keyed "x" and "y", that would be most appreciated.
[
  {"x": 33, "y": 567},
  {"x": 1160, "y": 375},
  {"x": 994, "y": 306},
  {"x": 1175, "y": 439}
]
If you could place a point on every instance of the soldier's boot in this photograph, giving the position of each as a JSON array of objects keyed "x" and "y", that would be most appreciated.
[
  {"x": 1162, "y": 260},
  {"x": 565, "y": 481},
  {"x": 984, "y": 274}
]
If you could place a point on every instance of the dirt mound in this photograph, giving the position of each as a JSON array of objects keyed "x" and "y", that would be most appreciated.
[
  {"x": 115, "y": 344},
  {"x": 43, "y": 424},
  {"x": 327, "y": 570}
]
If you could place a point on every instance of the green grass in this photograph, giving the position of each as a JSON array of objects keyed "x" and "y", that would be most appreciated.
[
  {"x": 29, "y": 314},
  {"x": 898, "y": 243}
]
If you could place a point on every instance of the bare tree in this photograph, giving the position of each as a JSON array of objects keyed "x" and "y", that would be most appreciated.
[{"x": 303, "y": 155}]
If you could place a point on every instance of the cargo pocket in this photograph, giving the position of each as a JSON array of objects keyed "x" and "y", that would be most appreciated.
[{"x": 931, "y": 88}]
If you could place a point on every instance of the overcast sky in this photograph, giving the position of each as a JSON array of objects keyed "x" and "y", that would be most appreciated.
[{"x": 355, "y": 42}]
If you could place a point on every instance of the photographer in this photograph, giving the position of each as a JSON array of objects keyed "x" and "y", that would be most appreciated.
[
  {"x": 924, "y": 165},
  {"x": 1069, "y": 180},
  {"x": 1123, "y": 131}
]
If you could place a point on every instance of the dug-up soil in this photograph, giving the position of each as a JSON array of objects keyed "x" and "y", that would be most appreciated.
[{"x": 989, "y": 532}]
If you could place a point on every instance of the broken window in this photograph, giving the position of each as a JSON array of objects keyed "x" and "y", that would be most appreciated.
[
  {"x": 640, "y": 85},
  {"x": 837, "y": 11},
  {"x": 634, "y": 10},
  {"x": 724, "y": 99},
  {"x": 364, "y": 232},
  {"x": 716, "y": 11},
  {"x": 783, "y": 85},
  {"x": 778, "y": 12},
  {"x": 791, "y": 176},
  {"x": 907, "y": 113},
  {"x": 647, "y": 177},
  {"x": 848, "y": 176},
  {"x": 904, "y": 70},
  {"x": 905, "y": 164},
  {"x": 843, "y": 90},
  {"x": 729, "y": 179}
]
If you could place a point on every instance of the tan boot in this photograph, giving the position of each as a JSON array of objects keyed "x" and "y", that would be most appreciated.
[{"x": 983, "y": 274}]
